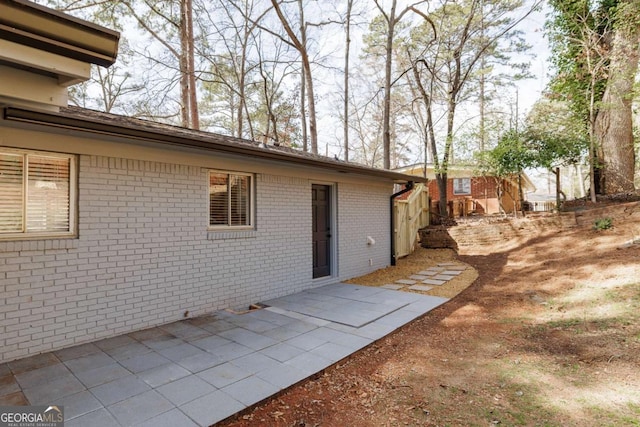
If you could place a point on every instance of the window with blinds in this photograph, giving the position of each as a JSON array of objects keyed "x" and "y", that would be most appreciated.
[
  {"x": 36, "y": 192},
  {"x": 461, "y": 186},
  {"x": 230, "y": 197}
]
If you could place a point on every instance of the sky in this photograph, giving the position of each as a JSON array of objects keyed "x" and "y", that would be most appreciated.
[
  {"x": 533, "y": 26},
  {"x": 330, "y": 127},
  {"x": 527, "y": 91}
]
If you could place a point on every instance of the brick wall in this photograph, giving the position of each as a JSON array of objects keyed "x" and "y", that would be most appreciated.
[
  {"x": 483, "y": 192},
  {"x": 144, "y": 256},
  {"x": 480, "y": 188},
  {"x": 362, "y": 213}
]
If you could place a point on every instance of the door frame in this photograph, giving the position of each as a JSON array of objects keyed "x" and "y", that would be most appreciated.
[{"x": 333, "y": 220}]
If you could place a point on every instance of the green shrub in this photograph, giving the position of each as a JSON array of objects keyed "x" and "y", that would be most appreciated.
[{"x": 602, "y": 224}]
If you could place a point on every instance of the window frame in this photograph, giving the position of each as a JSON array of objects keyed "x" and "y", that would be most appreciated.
[
  {"x": 250, "y": 197},
  {"x": 73, "y": 194},
  {"x": 463, "y": 192}
]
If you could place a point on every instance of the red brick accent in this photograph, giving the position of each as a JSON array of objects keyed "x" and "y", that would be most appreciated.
[{"x": 483, "y": 192}]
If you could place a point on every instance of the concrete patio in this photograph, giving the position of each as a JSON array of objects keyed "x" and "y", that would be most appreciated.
[{"x": 203, "y": 370}]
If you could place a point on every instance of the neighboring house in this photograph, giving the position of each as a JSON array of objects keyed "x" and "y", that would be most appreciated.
[
  {"x": 110, "y": 225},
  {"x": 468, "y": 193}
]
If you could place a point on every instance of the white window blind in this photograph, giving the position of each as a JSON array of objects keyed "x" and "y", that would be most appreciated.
[
  {"x": 11, "y": 193},
  {"x": 48, "y": 194},
  {"x": 229, "y": 199},
  {"x": 35, "y": 193}
]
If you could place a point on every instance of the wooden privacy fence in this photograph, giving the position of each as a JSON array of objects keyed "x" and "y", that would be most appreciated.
[{"x": 411, "y": 215}]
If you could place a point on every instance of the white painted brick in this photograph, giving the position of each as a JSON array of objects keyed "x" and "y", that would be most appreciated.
[{"x": 144, "y": 255}]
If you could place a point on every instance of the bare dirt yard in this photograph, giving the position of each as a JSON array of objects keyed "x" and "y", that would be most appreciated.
[{"x": 547, "y": 333}]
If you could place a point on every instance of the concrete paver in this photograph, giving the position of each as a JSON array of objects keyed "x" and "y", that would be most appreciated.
[
  {"x": 283, "y": 376},
  {"x": 456, "y": 267},
  {"x": 428, "y": 272},
  {"x": 444, "y": 277},
  {"x": 164, "y": 374},
  {"x": 185, "y": 390},
  {"x": 223, "y": 375},
  {"x": 98, "y": 418},
  {"x": 173, "y": 418},
  {"x": 250, "y": 390},
  {"x": 434, "y": 282},
  {"x": 79, "y": 404},
  {"x": 139, "y": 408},
  {"x": 55, "y": 389},
  {"x": 211, "y": 408},
  {"x": 452, "y": 272},
  {"x": 407, "y": 281},
  {"x": 203, "y": 370},
  {"x": 119, "y": 390},
  {"x": 102, "y": 375},
  {"x": 282, "y": 352},
  {"x": 422, "y": 288}
]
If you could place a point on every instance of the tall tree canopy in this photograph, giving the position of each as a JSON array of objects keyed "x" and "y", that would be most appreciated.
[
  {"x": 272, "y": 70},
  {"x": 445, "y": 53},
  {"x": 615, "y": 118},
  {"x": 595, "y": 47}
]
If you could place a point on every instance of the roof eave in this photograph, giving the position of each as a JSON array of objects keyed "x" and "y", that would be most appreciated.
[
  {"x": 52, "y": 31},
  {"x": 130, "y": 131}
]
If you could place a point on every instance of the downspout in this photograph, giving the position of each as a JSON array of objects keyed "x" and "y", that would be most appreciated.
[{"x": 407, "y": 187}]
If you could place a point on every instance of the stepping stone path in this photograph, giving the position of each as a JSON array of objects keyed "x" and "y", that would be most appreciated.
[
  {"x": 420, "y": 288},
  {"x": 433, "y": 276},
  {"x": 428, "y": 273},
  {"x": 434, "y": 282},
  {"x": 451, "y": 272}
]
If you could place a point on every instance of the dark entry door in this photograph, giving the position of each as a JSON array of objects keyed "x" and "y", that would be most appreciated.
[{"x": 321, "y": 205}]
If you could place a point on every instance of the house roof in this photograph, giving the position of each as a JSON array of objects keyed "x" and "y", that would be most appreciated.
[
  {"x": 94, "y": 122},
  {"x": 38, "y": 27},
  {"x": 48, "y": 30},
  {"x": 455, "y": 171}
]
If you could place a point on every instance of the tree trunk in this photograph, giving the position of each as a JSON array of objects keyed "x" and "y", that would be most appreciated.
[
  {"x": 188, "y": 97},
  {"x": 386, "y": 119},
  {"x": 241, "y": 85},
  {"x": 482, "y": 107},
  {"x": 441, "y": 182},
  {"x": 614, "y": 122},
  {"x": 581, "y": 187},
  {"x": 185, "y": 117},
  {"x": 521, "y": 194},
  {"x": 346, "y": 80},
  {"x": 303, "y": 112},
  {"x": 499, "y": 194},
  {"x": 301, "y": 46},
  {"x": 392, "y": 19},
  {"x": 306, "y": 66},
  {"x": 448, "y": 146},
  {"x": 193, "y": 96},
  {"x": 430, "y": 142},
  {"x": 482, "y": 92},
  {"x": 594, "y": 182},
  {"x": 268, "y": 100},
  {"x": 313, "y": 130}
]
